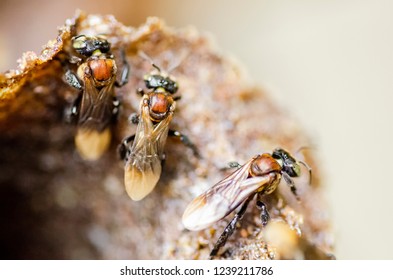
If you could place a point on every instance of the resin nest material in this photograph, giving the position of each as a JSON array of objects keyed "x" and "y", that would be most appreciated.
[{"x": 55, "y": 205}]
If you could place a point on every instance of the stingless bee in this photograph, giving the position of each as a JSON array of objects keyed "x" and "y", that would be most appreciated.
[
  {"x": 143, "y": 152},
  {"x": 259, "y": 176},
  {"x": 96, "y": 106}
]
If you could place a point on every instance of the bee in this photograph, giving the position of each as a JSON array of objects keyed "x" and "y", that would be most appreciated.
[
  {"x": 96, "y": 106},
  {"x": 257, "y": 177},
  {"x": 143, "y": 152}
]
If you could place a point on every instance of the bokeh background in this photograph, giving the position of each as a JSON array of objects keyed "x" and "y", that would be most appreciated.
[{"x": 329, "y": 63}]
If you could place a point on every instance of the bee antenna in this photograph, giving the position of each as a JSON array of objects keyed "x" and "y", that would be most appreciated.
[
  {"x": 148, "y": 58},
  {"x": 155, "y": 66},
  {"x": 309, "y": 170},
  {"x": 180, "y": 58},
  {"x": 303, "y": 148},
  {"x": 143, "y": 55}
]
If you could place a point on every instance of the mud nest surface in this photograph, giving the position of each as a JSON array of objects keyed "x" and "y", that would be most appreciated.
[{"x": 55, "y": 205}]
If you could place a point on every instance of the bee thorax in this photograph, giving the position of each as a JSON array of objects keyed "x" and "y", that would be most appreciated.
[{"x": 102, "y": 69}]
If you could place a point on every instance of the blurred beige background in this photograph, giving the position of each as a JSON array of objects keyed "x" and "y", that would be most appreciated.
[{"x": 329, "y": 63}]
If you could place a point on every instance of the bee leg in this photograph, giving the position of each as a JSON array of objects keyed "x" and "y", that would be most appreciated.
[
  {"x": 265, "y": 217},
  {"x": 163, "y": 160},
  {"x": 140, "y": 91},
  {"x": 134, "y": 118},
  {"x": 125, "y": 71},
  {"x": 72, "y": 79},
  {"x": 291, "y": 184},
  {"x": 185, "y": 140},
  {"x": 116, "y": 109},
  {"x": 123, "y": 149},
  {"x": 71, "y": 112},
  {"x": 234, "y": 164},
  {"x": 309, "y": 171},
  {"x": 229, "y": 229},
  {"x": 231, "y": 164}
]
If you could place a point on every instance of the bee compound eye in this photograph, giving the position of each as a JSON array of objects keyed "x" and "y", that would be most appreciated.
[
  {"x": 79, "y": 42},
  {"x": 147, "y": 80},
  {"x": 102, "y": 45},
  {"x": 172, "y": 86}
]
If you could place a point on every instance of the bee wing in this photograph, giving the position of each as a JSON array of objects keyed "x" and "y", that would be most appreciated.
[
  {"x": 220, "y": 200},
  {"x": 91, "y": 144},
  {"x": 143, "y": 167},
  {"x": 141, "y": 177},
  {"x": 96, "y": 106},
  {"x": 93, "y": 136}
]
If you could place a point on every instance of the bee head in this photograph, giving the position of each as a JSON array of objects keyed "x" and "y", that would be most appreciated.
[
  {"x": 154, "y": 81},
  {"x": 86, "y": 45},
  {"x": 288, "y": 163}
]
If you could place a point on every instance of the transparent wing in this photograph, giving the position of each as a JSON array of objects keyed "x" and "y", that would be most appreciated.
[
  {"x": 141, "y": 177},
  {"x": 91, "y": 144},
  {"x": 96, "y": 106},
  {"x": 220, "y": 200},
  {"x": 143, "y": 166},
  {"x": 93, "y": 135}
]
